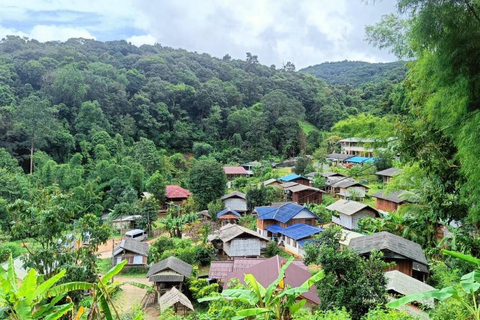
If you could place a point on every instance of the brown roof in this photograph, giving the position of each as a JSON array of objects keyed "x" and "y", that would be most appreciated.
[
  {"x": 176, "y": 192},
  {"x": 173, "y": 297},
  {"x": 228, "y": 216},
  {"x": 267, "y": 271},
  {"x": 235, "y": 170}
]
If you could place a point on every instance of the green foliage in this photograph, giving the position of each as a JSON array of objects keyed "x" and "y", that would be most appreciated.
[
  {"x": 215, "y": 207},
  {"x": 156, "y": 185},
  {"x": 272, "y": 249},
  {"x": 207, "y": 181},
  {"x": 10, "y": 249},
  {"x": 148, "y": 210},
  {"x": 183, "y": 249},
  {"x": 256, "y": 197}
]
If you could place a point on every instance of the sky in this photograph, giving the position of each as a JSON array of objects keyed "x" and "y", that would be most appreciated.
[{"x": 305, "y": 32}]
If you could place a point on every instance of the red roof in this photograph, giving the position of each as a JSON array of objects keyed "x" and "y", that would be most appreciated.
[
  {"x": 176, "y": 192},
  {"x": 235, "y": 170},
  {"x": 267, "y": 271}
]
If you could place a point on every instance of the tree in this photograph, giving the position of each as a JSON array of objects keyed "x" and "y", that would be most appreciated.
[
  {"x": 148, "y": 210},
  {"x": 256, "y": 197},
  {"x": 352, "y": 282},
  {"x": 207, "y": 181},
  {"x": 157, "y": 186},
  {"x": 36, "y": 117},
  {"x": 301, "y": 165}
]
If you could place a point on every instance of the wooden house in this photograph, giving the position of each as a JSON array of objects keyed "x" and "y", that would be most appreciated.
[
  {"x": 175, "y": 194},
  {"x": 125, "y": 223},
  {"x": 272, "y": 183},
  {"x": 235, "y": 172},
  {"x": 283, "y": 216},
  {"x": 387, "y": 174},
  {"x": 268, "y": 270},
  {"x": 176, "y": 300},
  {"x": 236, "y": 201},
  {"x": 169, "y": 273},
  {"x": 388, "y": 202},
  {"x": 233, "y": 240},
  {"x": 407, "y": 255},
  {"x": 347, "y": 213},
  {"x": 292, "y": 177},
  {"x": 135, "y": 252},
  {"x": 399, "y": 284},
  {"x": 345, "y": 188},
  {"x": 228, "y": 215},
  {"x": 302, "y": 194}
]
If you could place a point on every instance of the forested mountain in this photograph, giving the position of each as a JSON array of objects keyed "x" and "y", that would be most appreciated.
[{"x": 173, "y": 97}]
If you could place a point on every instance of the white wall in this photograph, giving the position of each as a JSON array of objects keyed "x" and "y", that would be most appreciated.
[
  {"x": 236, "y": 204},
  {"x": 351, "y": 222},
  {"x": 242, "y": 247}
]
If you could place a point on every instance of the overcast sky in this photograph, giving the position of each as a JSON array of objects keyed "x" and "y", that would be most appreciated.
[{"x": 305, "y": 32}]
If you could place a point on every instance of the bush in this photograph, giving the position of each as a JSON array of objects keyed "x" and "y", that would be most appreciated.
[
  {"x": 204, "y": 254},
  {"x": 272, "y": 249},
  {"x": 248, "y": 221},
  {"x": 7, "y": 249}
]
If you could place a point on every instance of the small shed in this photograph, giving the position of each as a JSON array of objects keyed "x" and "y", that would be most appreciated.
[
  {"x": 388, "y": 202},
  {"x": 407, "y": 255},
  {"x": 228, "y": 215},
  {"x": 174, "y": 298},
  {"x": 387, "y": 174},
  {"x": 235, "y": 172},
  {"x": 169, "y": 273},
  {"x": 347, "y": 213},
  {"x": 135, "y": 252},
  {"x": 236, "y": 241},
  {"x": 125, "y": 223},
  {"x": 236, "y": 201},
  {"x": 272, "y": 183},
  {"x": 292, "y": 177},
  {"x": 401, "y": 284}
]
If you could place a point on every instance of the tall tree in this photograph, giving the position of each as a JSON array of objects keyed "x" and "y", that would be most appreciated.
[{"x": 207, "y": 181}]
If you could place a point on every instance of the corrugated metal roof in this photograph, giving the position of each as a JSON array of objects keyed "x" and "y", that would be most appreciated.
[
  {"x": 300, "y": 231},
  {"x": 390, "y": 172},
  {"x": 338, "y": 156},
  {"x": 301, "y": 187},
  {"x": 274, "y": 228},
  {"x": 132, "y": 245},
  {"x": 161, "y": 277},
  {"x": 406, "y": 285},
  {"x": 387, "y": 241},
  {"x": 176, "y": 192},
  {"x": 349, "y": 207},
  {"x": 332, "y": 174},
  {"x": 235, "y": 194},
  {"x": 232, "y": 231},
  {"x": 127, "y": 218},
  {"x": 283, "y": 213},
  {"x": 235, "y": 170},
  {"x": 286, "y": 185},
  {"x": 358, "y": 159},
  {"x": 171, "y": 263},
  {"x": 290, "y": 177},
  {"x": 269, "y": 181},
  {"x": 393, "y": 197},
  {"x": 228, "y": 211},
  {"x": 267, "y": 271},
  {"x": 172, "y": 297}
]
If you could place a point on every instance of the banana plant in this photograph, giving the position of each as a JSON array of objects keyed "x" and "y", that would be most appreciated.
[
  {"x": 466, "y": 293},
  {"x": 277, "y": 301}
]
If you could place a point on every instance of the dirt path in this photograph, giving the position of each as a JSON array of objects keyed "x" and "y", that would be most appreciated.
[{"x": 131, "y": 297}]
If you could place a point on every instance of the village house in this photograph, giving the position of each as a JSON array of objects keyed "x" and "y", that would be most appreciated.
[
  {"x": 228, "y": 215},
  {"x": 219, "y": 270},
  {"x": 302, "y": 194},
  {"x": 388, "y": 202},
  {"x": 283, "y": 216},
  {"x": 347, "y": 213},
  {"x": 337, "y": 158},
  {"x": 272, "y": 183},
  {"x": 235, "y": 172},
  {"x": 233, "y": 240},
  {"x": 169, "y": 273},
  {"x": 175, "y": 194},
  {"x": 268, "y": 270},
  {"x": 407, "y": 255},
  {"x": 399, "y": 284},
  {"x": 345, "y": 188},
  {"x": 125, "y": 223},
  {"x": 357, "y": 160},
  {"x": 135, "y": 252},
  {"x": 387, "y": 174},
  {"x": 236, "y": 201},
  {"x": 294, "y": 237},
  {"x": 357, "y": 146},
  {"x": 292, "y": 177},
  {"x": 250, "y": 165}
]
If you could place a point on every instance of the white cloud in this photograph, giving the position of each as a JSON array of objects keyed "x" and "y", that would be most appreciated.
[
  {"x": 143, "y": 39},
  {"x": 44, "y": 33},
  {"x": 11, "y": 32}
]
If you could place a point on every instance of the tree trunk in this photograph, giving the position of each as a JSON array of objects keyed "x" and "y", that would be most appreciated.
[{"x": 31, "y": 154}]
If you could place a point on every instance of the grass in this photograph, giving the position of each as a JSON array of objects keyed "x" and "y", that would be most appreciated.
[
  {"x": 280, "y": 172},
  {"x": 307, "y": 127}
]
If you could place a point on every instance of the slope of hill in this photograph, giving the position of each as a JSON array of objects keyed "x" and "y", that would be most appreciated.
[{"x": 357, "y": 72}]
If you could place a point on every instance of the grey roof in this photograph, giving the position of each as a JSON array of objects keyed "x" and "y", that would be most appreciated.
[
  {"x": 338, "y": 156},
  {"x": 231, "y": 231},
  {"x": 235, "y": 194},
  {"x": 172, "y": 297},
  {"x": 301, "y": 187},
  {"x": 288, "y": 184},
  {"x": 349, "y": 207},
  {"x": 405, "y": 285},
  {"x": 387, "y": 241},
  {"x": 390, "y": 172},
  {"x": 127, "y": 218},
  {"x": 166, "y": 277},
  {"x": 171, "y": 263},
  {"x": 332, "y": 174},
  {"x": 342, "y": 182},
  {"x": 270, "y": 181},
  {"x": 132, "y": 245},
  {"x": 311, "y": 174},
  {"x": 393, "y": 197}
]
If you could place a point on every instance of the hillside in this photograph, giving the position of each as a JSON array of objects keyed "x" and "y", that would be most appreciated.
[{"x": 357, "y": 72}]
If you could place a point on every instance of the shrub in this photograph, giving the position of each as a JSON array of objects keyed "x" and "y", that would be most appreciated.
[
  {"x": 272, "y": 249},
  {"x": 7, "y": 249}
]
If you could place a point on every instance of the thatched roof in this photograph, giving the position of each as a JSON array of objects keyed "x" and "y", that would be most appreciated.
[
  {"x": 172, "y": 297},
  {"x": 404, "y": 284},
  {"x": 171, "y": 263},
  {"x": 382, "y": 241}
]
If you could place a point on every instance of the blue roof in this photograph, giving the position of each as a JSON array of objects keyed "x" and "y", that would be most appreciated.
[
  {"x": 281, "y": 214},
  {"x": 300, "y": 231},
  {"x": 302, "y": 243},
  {"x": 360, "y": 159},
  {"x": 227, "y": 211},
  {"x": 290, "y": 177},
  {"x": 275, "y": 228}
]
